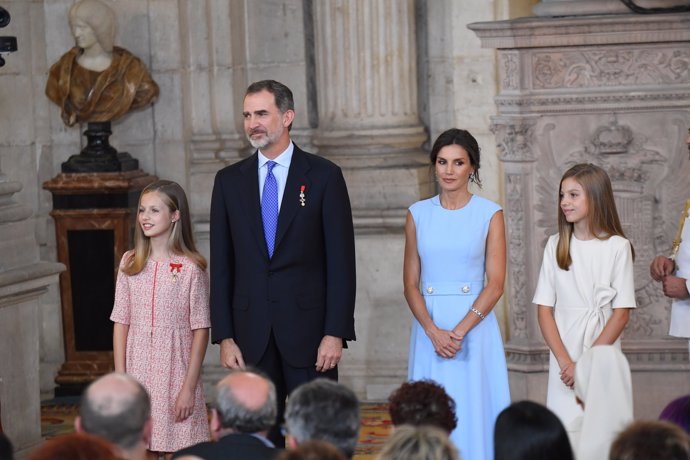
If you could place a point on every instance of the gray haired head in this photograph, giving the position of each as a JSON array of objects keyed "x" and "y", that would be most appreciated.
[{"x": 324, "y": 410}]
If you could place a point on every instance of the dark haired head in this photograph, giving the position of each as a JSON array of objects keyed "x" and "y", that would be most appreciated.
[
  {"x": 282, "y": 94},
  {"x": 529, "y": 431},
  {"x": 422, "y": 402},
  {"x": 6, "y": 450},
  {"x": 463, "y": 139},
  {"x": 678, "y": 412}
]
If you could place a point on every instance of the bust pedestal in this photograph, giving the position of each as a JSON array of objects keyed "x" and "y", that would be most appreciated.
[
  {"x": 99, "y": 155},
  {"x": 94, "y": 214}
]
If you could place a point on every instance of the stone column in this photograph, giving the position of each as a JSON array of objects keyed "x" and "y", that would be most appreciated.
[
  {"x": 23, "y": 279},
  {"x": 368, "y": 123},
  {"x": 613, "y": 90}
]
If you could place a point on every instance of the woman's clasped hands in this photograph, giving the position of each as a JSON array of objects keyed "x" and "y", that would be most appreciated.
[{"x": 446, "y": 343}]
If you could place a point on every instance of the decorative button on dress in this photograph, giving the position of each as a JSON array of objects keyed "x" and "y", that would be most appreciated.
[
  {"x": 162, "y": 305},
  {"x": 452, "y": 247}
]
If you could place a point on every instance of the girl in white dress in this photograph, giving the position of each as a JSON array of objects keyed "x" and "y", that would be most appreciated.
[{"x": 586, "y": 287}]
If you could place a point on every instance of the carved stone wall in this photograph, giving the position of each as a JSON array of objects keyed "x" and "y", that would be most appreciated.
[{"x": 613, "y": 91}]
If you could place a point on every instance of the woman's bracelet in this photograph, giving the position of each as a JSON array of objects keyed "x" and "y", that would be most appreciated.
[{"x": 478, "y": 313}]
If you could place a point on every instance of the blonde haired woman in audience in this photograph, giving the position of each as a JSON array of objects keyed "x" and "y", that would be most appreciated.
[{"x": 418, "y": 443}]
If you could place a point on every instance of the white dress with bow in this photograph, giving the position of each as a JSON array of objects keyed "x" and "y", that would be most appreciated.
[{"x": 600, "y": 278}]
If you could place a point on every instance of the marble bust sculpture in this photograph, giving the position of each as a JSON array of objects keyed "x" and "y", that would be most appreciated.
[{"x": 96, "y": 81}]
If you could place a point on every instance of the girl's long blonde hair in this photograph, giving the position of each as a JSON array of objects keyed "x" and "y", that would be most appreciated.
[
  {"x": 602, "y": 212},
  {"x": 181, "y": 241}
]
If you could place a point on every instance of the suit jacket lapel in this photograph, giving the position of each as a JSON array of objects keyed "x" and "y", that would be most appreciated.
[
  {"x": 249, "y": 189},
  {"x": 297, "y": 177}
]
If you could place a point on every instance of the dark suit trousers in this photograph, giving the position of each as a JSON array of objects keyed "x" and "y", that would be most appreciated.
[{"x": 286, "y": 378}]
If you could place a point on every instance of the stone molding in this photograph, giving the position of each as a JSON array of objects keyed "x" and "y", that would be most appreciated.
[
  {"x": 23, "y": 284},
  {"x": 590, "y": 7},
  {"x": 603, "y": 103},
  {"x": 534, "y": 32},
  {"x": 648, "y": 355}
]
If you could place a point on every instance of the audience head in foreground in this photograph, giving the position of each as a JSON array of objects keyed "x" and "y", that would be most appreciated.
[
  {"x": 245, "y": 403},
  {"x": 422, "y": 402},
  {"x": 6, "y": 449},
  {"x": 678, "y": 412},
  {"x": 117, "y": 408},
  {"x": 312, "y": 450},
  {"x": 651, "y": 440},
  {"x": 604, "y": 386},
  {"x": 75, "y": 446},
  {"x": 323, "y": 410},
  {"x": 244, "y": 411},
  {"x": 418, "y": 443},
  {"x": 527, "y": 430}
]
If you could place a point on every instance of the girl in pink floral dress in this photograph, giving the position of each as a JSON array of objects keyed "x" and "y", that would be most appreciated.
[{"x": 161, "y": 317}]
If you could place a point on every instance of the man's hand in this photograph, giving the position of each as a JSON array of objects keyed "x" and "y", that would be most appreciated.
[
  {"x": 230, "y": 355},
  {"x": 329, "y": 353},
  {"x": 660, "y": 267},
  {"x": 675, "y": 287}
]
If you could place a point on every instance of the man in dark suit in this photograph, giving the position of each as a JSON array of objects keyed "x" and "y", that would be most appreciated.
[
  {"x": 282, "y": 253},
  {"x": 245, "y": 409}
]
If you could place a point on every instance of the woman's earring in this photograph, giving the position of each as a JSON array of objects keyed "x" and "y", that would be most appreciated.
[{"x": 472, "y": 177}]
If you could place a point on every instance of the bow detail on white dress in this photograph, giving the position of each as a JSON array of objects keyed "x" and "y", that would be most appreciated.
[{"x": 596, "y": 318}]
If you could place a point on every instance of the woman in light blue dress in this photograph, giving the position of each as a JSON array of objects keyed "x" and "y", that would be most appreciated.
[{"x": 454, "y": 241}]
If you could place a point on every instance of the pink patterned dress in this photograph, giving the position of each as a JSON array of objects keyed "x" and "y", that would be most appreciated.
[{"x": 162, "y": 305}]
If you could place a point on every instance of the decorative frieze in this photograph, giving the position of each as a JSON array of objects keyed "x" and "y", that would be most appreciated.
[{"x": 617, "y": 67}]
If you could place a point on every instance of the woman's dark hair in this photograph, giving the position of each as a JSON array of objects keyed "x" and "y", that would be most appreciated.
[
  {"x": 422, "y": 402},
  {"x": 465, "y": 140},
  {"x": 529, "y": 431}
]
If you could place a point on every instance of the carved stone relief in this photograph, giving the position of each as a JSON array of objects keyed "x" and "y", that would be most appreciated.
[
  {"x": 515, "y": 221},
  {"x": 636, "y": 169},
  {"x": 514, "y": 138},
  {"x": 604, "y": 68},
  {"x": 509, "y": 70}
]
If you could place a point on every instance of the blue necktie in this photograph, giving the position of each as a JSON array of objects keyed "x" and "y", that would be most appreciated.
[{"x": 269, "y": 207}]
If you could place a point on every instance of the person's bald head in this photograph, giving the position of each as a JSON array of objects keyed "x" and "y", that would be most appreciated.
[
  {"x": 246, "y": 402},
  {"x": 115, "y": 407}
]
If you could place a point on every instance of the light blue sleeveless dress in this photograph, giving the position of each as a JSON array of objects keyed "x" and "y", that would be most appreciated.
[{"x": 452, "y": 247}]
